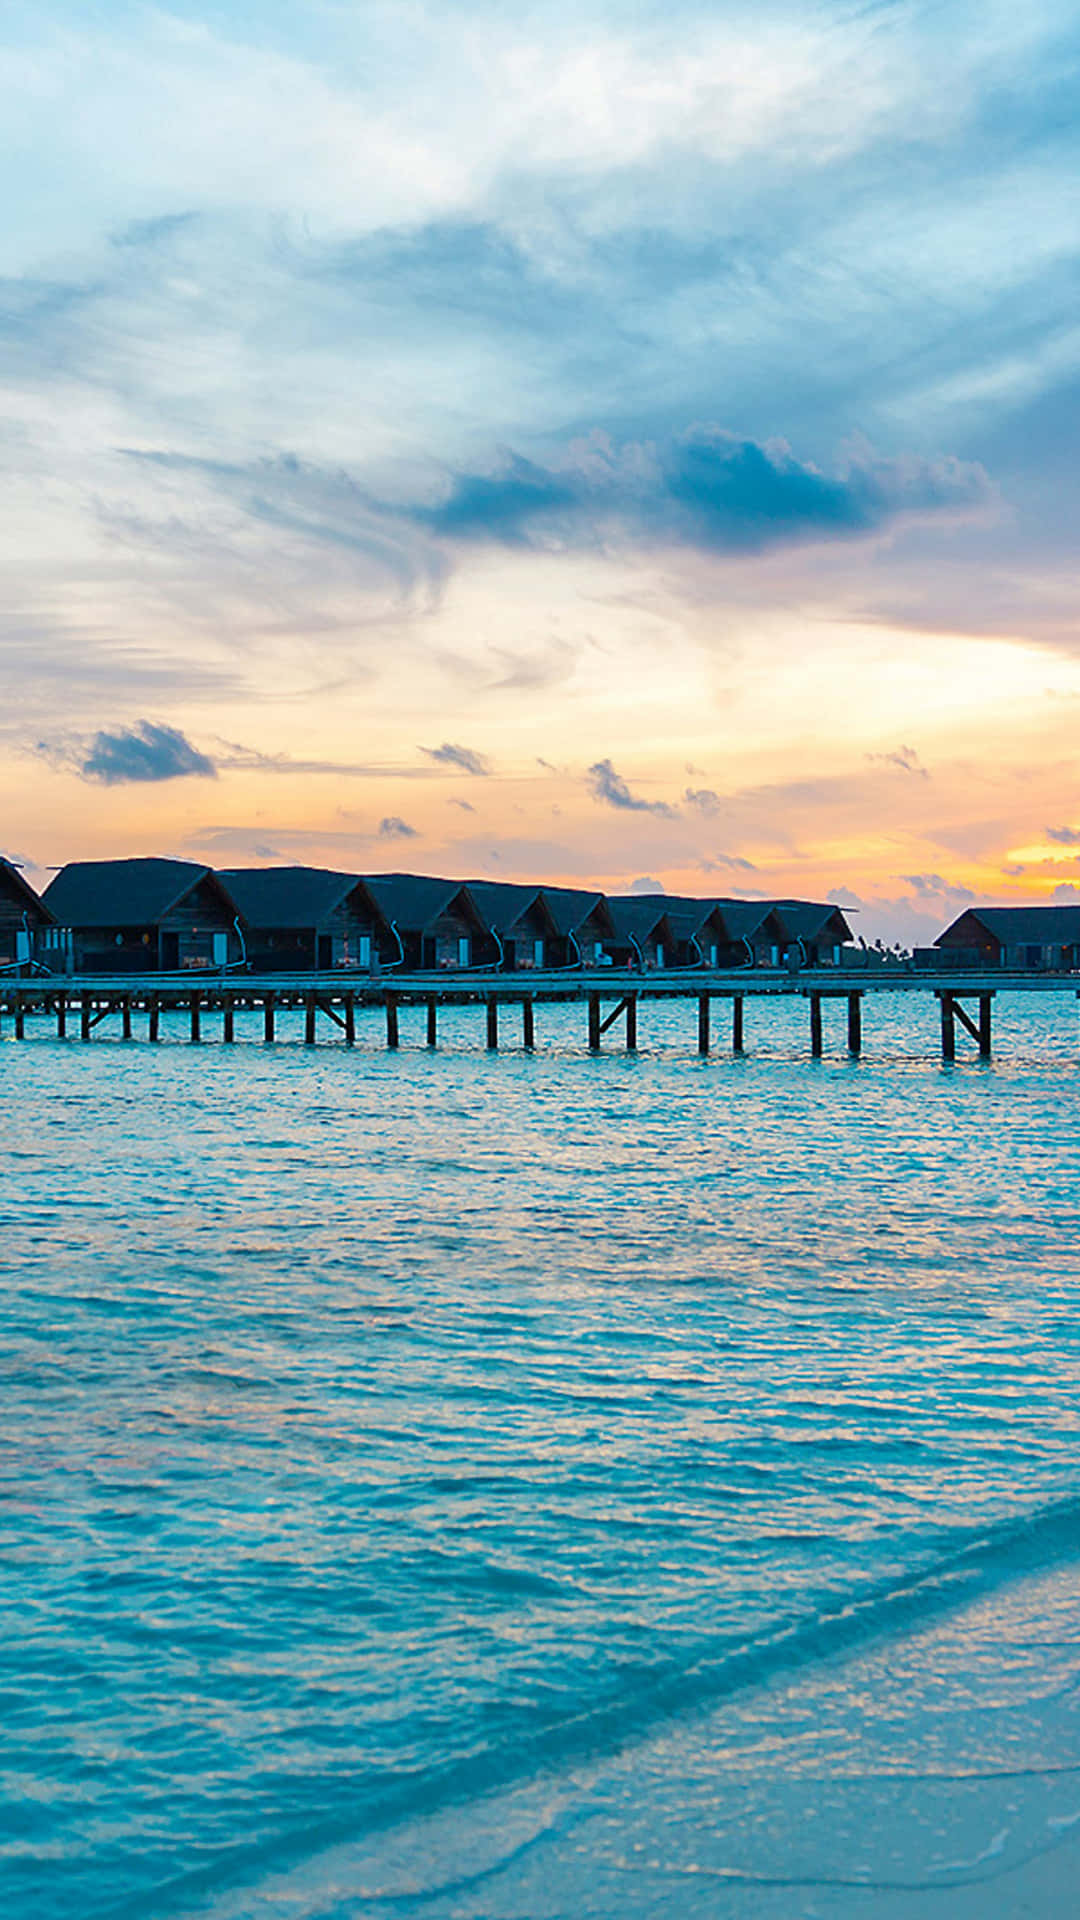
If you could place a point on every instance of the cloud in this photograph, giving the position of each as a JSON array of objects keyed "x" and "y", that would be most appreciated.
[
  {"x": 1065, "y": 836},
  {"x": 707, "y": 488},
  {"x": 932, "y": 888},
  {"x": 392, "y": 828},
  {"x": 148, "y": 751},
  {"x": 844, "y": 897},
  {"x": 450, "y": 755},
  {"x": 702, "y": 799},
  {"x": 905, "y": 759},
  {"x": 1066, "y": 895},
  {"x": 646, "y": 884},
  {"x": 734, "y": 861},
  {"x": 466, "y": 806},
  {"x": 611, "y": 788}
]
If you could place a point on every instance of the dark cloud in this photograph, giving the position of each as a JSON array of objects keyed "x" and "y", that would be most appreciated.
[
  {"x": 611, "y": 788},
  {"x": 931, "y": 887},
  {"x": 1065, "y": 836},
  {"x": 702, "y": 799},
  {"x": 646, "y": 884},
  {"x": 734, "y": 861},
  {"x": 708, "y": 488},
  {"x": 393, "y": 828},
  {"x": 451, "y": 755},
  {"x": 465, "y": 805},
  {"x": 145, "y": 752}
]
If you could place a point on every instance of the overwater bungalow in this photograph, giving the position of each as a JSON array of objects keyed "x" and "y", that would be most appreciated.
[
  {"x": 643, "y": 933},
  {"x": 25, "y": 922},
  {"x": 1022, "y": 939},
  {"x": 583, "y": 927},
  {"x": 520, "y": 928},
  {"x": 697, "y": 931},
  {"x": 753, "y": 934},
  {"x": 142, "y": 916},
  {"x": 432, "y": 923},
  {"x": 301, "y": 918},
  {"x": 814, "y": 932}
]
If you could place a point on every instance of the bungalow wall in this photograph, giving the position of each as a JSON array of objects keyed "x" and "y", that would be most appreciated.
[
  {"x": 346, "y": 937},
  {"x": 197, "y": 932}
]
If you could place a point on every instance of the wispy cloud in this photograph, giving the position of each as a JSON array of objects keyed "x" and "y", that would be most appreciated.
[
  {"x": 465, "y": 758},
  {"x": 609, "y": 787},
  {"x": 393, "y": 828},
  {"x": 1064, "y": 836},
  {"x": 904, "y": 759}
]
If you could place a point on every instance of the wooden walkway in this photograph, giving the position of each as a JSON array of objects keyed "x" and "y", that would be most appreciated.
[{"x": 76, "y": 1006}]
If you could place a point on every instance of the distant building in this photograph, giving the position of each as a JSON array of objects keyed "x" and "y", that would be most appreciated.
[
  {"x": 521, "y": 932},
  {"x": 25, "y": 923},
  {"x": 814, "y": 932},
  {"x": 301, "y": 918},
  {"x": 753, "y": 934},
  {"x": 644, "y": 936},
  {"x": 432, "y": 923},
  {"x": 1021, "y": 939},
  {"x": 141, "y": 916},
  {"x": 583, "y": 926}
]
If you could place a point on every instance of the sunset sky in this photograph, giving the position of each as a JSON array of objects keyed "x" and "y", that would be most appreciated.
[{"x": 598, "y": 443}]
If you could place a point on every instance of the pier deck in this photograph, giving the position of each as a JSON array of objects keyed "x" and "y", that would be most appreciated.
[{"x": 75, "y": 1005}]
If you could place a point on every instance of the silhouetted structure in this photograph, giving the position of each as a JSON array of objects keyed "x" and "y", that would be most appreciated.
[
  {"x": 139, "y": 916},
  {"x": 24, "y": 920},
  {"x": 814, "y": 931},
  {"x": 520, "y": 928},
  {"x": 433, "y": 923},
  {"x": 300, "y": 918},
  {"x": 583, "y": 926},
  {"x": 1022, "y": 939}
]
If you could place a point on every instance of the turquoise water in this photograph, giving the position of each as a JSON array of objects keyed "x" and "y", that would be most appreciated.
[{"x": 388, "y": 1436}]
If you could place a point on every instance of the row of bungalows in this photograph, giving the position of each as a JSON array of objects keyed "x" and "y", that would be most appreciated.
[{"x": 166, "y": 916}]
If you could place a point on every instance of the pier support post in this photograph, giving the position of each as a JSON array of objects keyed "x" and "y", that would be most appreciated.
[
  {"x": 737, "y": 1024},
  {"x": 309, "y": 1020},
  {"x": 594, "y": 1023},
  {"x": 84, "y": 1016},
  {"x": 432, "y": 1021},
  {"x": 268, "y": 1018},
  {"x": 854, "y": 1024},
  {"x": 631, "y": 1023},
  {"x": 985, "y": 1004},
  {"x": 154, "y": 1029},
  {"x": 61, "y": 1016},
  {"x": 196, "y": 1018},
  {"x": 228, "y": 1024},
  {"x": 350, "y": 1020},
  {"x": 703, "y": 1023},
  {"x": 528, "y": 1034},
  {"x": 493, "y": 1025},
  {"x": 815, "y": 1026},
  {"x": 948, "y": 1028},
  {"x": 20, "y": 1018},
  {"x": 391, "y": 1020},
  {"x": 125, "y": 1017}
]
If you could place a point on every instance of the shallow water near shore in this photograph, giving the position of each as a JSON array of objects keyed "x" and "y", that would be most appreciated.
[{"x": 451, "y": 1482}]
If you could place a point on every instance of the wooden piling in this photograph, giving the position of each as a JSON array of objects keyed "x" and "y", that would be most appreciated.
[
  {"x": 154, "y": 1025},
  {"x": 528, "y": 1031},
  {"x": 61, "y": 1016},
  {"x": 432, "y": 1021},
  {"x": 350, "y": 1020},
  {"x": 737, "y": 1023},
  {"x": 391, "y": 1020},
  {"x": 948, "y": 1027},
  {"x": 125, "y": 1017},
  {"x": 84, "y": 1013},
  {"x": 985, "y": 1005},
  {"x": 196, "y": 1018},
  {"x": 310, "y": 1005},
  {"x": 268, "y": 1018},
  {"x": 493, "y": 1025},
  {"x": 594, "y": 1023},
  {"x": 20, "y": 1018},
  {"x": 228, "y": 1020},
  {"x": 854, "y": 1024},
  {"x": 816, "y": 1047},
  {"x": 631, "y": 1023},
  {"x": 703, "y": 1023}
]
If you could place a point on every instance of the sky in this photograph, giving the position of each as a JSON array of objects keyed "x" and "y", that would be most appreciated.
[{"x": 621, "y": 446}]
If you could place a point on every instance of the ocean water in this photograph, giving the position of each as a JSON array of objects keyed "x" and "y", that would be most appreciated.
[{"x": 453, "y": 1484}]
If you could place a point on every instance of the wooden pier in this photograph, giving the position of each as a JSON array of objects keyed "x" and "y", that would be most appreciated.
[{"x": 507, "y": 1003}]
